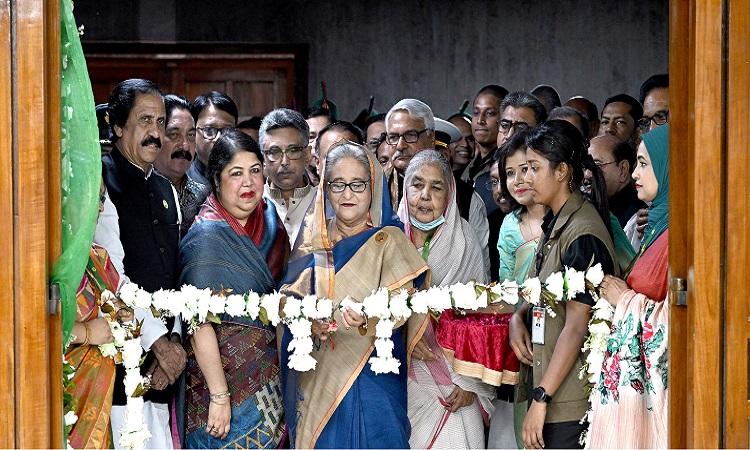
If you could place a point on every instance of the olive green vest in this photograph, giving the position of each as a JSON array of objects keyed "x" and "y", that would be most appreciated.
[{"x": 577, "y": 218}]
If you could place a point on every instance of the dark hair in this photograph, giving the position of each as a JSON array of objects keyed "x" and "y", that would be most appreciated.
[
  {"x": 495, "y": 90},
  {"x": 122, "y": 99},
  {"x": 623, "y": 151},
  {"x": 172, "y": 102},
  {"x": 252, "y": 123},
  {"x": 521, "y": 99},
  {"x": 545, "y": 93},
  {"x": 231, "y": 142},
  {"x": 654, "y": 82},
  {"x": 508, "y": 149},
  {"x": 562, "y": 112},
  {"x": 560, "y": 142},
  {"x": 636, "y": 110},
  {"x": 592, "y": 112},
  {"x": 317, "y": 111},
  {"x": 220, "y": 100},
  {"x": 105, "y": 175},
  {"x": 342, "y": 126},
  {"x": 372, "y": 120}
]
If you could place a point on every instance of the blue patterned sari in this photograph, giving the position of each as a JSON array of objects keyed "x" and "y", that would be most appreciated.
[{"x": 219, "y": 253}]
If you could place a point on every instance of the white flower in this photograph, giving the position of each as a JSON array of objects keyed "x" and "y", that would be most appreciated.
[
  {"x": 134, "y": 438},
  {"x": 325, "y": 308},
  {"x": 439, "y": 299},
  {"x": 576, "y": 281},
  {"x": 70, "y": 418},
  {"x": 253, "y": 305},
  {"x": 131, "y": 353},
  {"x": 235, "y": 305},
  {"x": 270, "y": 302},
  {"x": 384, "y": 365},
  {"x": 293, "y": 308},
  {"x": 599, "y": 328},
  {"x": 108, "y": 350},
  {"x": 119, "y": 333},
  {"x": 376, "y": 304},
  {"x": 357, "y": 307},
  {"x": 555, "y": 285},
  {"x": 419, "y": 302},
  {"x": 197, "y": 301},
  {"x": 107, "y": 296},
  {"x": 384, "y": 328},
  {"x": 398, "y": 305},
  {"x": 464, "y": 296},
  {"x": 302, "y": 362},
  {"x": 128, "y": 292},
  {"x": 309, "y": 309},
  {"x": 532, "y": 290},
  {"x": 300, "y": 327},
  {"x": 162, "y": 300},
  {"x": 482, "y": 301},
  {"x": 603, "y": 310},
  {"x": 179, "y": 305},
  {"x": 132, "y": 380},
  {"x": 142, "y": 299},
  {"x": 384, "y": 347},
  {"x": 216, "y": 304},
  {"x": 595, "y": 275},
  {"x": 508, "y": 292},
  {"x": 301, "y": 345}
]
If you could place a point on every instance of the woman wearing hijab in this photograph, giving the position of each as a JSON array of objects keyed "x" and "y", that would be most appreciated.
[
  {"x": 350, "y": 244},
  {"x": 445, "y": 409},
  {"x": 630, "y": 405}
]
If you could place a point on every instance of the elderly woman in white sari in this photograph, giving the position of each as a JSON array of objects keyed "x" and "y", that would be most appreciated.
[{"x": 446, "y": 410}]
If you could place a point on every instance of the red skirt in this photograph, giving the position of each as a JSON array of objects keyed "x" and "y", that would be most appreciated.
[{"x": 478, "y": 346}]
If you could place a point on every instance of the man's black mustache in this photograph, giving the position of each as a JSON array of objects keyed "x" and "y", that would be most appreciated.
[
  {"x": 151, "y": 140},
  {"x": 182, "y": 153}
]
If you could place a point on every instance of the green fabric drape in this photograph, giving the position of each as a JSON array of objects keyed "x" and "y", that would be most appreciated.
[{"x": 80, "y": 167}]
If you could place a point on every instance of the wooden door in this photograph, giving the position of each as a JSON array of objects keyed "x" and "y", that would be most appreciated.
[
  {"x": 30, "y": 338},
  {"x": 710, "y": 223},
  {"x": 258, "y": 81}
]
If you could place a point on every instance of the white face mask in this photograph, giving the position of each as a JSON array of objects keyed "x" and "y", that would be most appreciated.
[{"x": 427, "y": 226}]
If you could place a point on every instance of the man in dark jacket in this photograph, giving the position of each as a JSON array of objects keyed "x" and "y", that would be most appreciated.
[{"x": 149, "y": 219}]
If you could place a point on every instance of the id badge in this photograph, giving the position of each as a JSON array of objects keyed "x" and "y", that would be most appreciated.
[{"x": 538, "y": 316}]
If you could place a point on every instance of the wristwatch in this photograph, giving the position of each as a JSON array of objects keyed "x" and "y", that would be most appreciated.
[{"x": 540, "y": 395}]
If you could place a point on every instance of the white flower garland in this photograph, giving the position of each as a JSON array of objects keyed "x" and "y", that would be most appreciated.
[{"x": 196, "y": 306}]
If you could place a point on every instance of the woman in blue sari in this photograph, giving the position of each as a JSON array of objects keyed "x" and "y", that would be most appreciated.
[
  {"x": 354, "y": 249},
  {"x": 233, "y": 374}
]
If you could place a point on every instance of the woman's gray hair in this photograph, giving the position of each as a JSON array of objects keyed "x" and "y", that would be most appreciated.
[
  {"x": 346, "y": 149},
  {"x": 417, "y": 110},
  {"x": 284, "y": 118},
  {"x": 428, "y": 158}
]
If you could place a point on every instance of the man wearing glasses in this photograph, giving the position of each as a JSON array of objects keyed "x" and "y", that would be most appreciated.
[
  {"x": 615, "y": 159},
  {"x": 212, "y": 112},
  {"x": 284, "y": 139},
  {"x": 655, "y": 101}
]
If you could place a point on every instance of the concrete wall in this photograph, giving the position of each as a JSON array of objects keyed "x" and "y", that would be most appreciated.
[{"x": 438, "y": 51}]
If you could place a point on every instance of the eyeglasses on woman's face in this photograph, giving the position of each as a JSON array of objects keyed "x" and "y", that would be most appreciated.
[{"x": 357, "y": 187}]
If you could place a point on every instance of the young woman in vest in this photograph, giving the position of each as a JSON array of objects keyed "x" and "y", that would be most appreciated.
[{"x": 576, "y": 234}]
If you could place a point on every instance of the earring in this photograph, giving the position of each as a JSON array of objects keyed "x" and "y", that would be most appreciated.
[{"x": 570, "y": 185}]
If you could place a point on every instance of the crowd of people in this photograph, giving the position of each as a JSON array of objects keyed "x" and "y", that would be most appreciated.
[{"x": 514, "y": 185}]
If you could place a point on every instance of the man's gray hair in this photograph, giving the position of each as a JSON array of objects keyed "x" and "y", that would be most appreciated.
[
  {"x": 343, "y": 150},
  {"x": 417, "y": 110},
  {"x": 284, "y": 118},
  {"x": 428, "y": 158}
]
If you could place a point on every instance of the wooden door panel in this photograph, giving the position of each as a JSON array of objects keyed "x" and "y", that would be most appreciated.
[
  {"x": 737, "y": 226},
  {"x": 258, "y": 83}
]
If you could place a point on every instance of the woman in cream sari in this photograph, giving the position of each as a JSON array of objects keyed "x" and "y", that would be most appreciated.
[{"x": 351, "y": 244}]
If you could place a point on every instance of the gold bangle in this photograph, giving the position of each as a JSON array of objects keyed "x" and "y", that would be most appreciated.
[
  {"x": 219, "y": 403},
  {"x": 88, "y": 334},
  {"x": 219, "y": 395}
]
